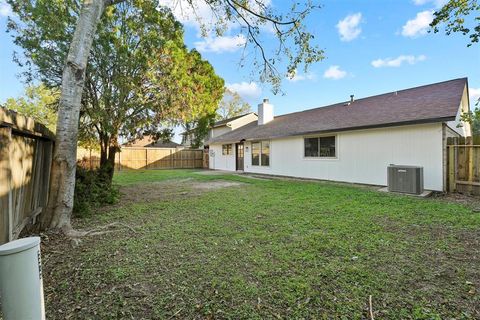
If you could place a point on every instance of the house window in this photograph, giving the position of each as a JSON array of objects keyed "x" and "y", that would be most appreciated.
[
  {"x": 226, "y": 149},
  {"x": 320, "y": 147},
  {"x": 261, "y": 153},
  {"x": 256, "y": 154},
  {"x": 265, "y": 153}
]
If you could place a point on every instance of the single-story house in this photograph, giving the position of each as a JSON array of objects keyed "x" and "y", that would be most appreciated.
[
  {"x": 220, "y": 127},
  {"x": 351, "y": 141}
]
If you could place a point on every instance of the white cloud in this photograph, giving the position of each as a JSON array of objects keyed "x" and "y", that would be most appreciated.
[
  {"x": 221, "y": 44},
  {"x": 5, "y": 9},
  {"x": 194, "y": 14},
  {"x": 436, "y": 3},
  {"x": 335, "y": 73},
  {"x": 349, "y": 28},
  {"x": 398, "y": 61},
  {"x": 199, "y": 14},
  {"x": 247, "y": 90},
  {"x": 419, "y": 25},
  {"x": 474, "y": 96},
  {"x": 296, "y": 77}
]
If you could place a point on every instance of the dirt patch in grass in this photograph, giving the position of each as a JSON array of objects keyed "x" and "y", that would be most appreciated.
[
  {"x": 74, "y": 291},
  {"x": 212, "y": 172},
  {"x": 255, "y": 177},
  {"x": 157, "y": 191},
  {"x": 212, "y": 185},
  {"x": 448, "y": 254},
  {"x": 464, "y": 199}
]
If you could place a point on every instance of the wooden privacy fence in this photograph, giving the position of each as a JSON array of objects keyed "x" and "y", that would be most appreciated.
[
  {"x": 26, "y": 149},
  {"x": 463, "y": 165},
  {"x": 146, "y": 158}
]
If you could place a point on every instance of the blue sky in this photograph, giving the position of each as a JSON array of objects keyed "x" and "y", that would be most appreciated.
[{"x": 371, "y": 47}]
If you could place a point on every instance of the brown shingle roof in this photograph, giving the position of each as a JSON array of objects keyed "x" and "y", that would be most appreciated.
[
  {"x": 163, "y": 144},
  {"x": 149, "y": 142},
  {"x": 222, "y": 122},
  {"x": 430, "y": 103}
]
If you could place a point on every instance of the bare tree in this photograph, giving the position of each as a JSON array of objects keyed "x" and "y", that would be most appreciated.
[{"x": 232, "y": 105}]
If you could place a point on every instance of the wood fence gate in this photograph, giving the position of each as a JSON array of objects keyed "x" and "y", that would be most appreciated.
[
  {"x": 26, "y": 150},
  {"x": 463, "y": 165}
]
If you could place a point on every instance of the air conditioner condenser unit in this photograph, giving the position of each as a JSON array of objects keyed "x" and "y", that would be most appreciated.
[{"x": 405, "y": 179}]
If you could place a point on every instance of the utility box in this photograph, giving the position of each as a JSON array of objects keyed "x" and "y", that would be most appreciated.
[
  {"x": 21, "y": 285},
  {"x": 405, "y": 179}
]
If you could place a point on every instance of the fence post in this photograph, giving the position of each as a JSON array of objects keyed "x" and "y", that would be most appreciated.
[
  {"x": 469, "y": 143},
  {"x": 6, "y": 205},
  {"x": 451, "y": 168},
  {"x": 146, "y": 158}
]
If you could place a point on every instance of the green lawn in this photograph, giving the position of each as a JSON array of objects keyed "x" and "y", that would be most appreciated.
[{"x": 266, "y": 249}]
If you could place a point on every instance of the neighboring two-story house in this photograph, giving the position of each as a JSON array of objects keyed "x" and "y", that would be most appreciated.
[{"x": 221, "y": 127}]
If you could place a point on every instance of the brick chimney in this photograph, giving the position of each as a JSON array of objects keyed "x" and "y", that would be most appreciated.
[{"x": 265, "y": 112}]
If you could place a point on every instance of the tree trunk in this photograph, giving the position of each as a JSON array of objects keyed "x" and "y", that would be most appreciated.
[
  {"x": 112, "y": 152},
  {"x": 60, "y": 202},
  {"x": 103, "y": 155},
  {"x": 103, "y": 151}
]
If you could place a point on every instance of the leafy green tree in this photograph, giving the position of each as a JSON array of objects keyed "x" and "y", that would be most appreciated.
[
  {"x": 232, "y": 105},
  {"x": 139, "y": 81},
  {"x": 39, "y": 103},
  {"x": 473, "y": 118},
  {"x": 454, "y": 14},
  {"x": 294, "y": 44},
  {"x": 196, "y": 130}
]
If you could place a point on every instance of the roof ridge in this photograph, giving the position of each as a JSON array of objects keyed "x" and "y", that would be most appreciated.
[{"x": 235, "y": 117}]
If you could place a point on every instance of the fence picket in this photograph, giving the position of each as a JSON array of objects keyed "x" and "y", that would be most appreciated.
[
  {"x": 463, "y": 165},
  {"x": 146, "y": 158},
  {"x": 25, "y": 163}
]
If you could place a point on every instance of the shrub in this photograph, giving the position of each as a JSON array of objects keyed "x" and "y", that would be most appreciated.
[{"x": 93, "y": 189}]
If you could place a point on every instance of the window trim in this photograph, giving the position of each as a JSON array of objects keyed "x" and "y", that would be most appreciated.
[
  {"x": 320, "y": 136},
  {"x": 259, "y": 165},
  {"x": 229, "y": 150}
]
